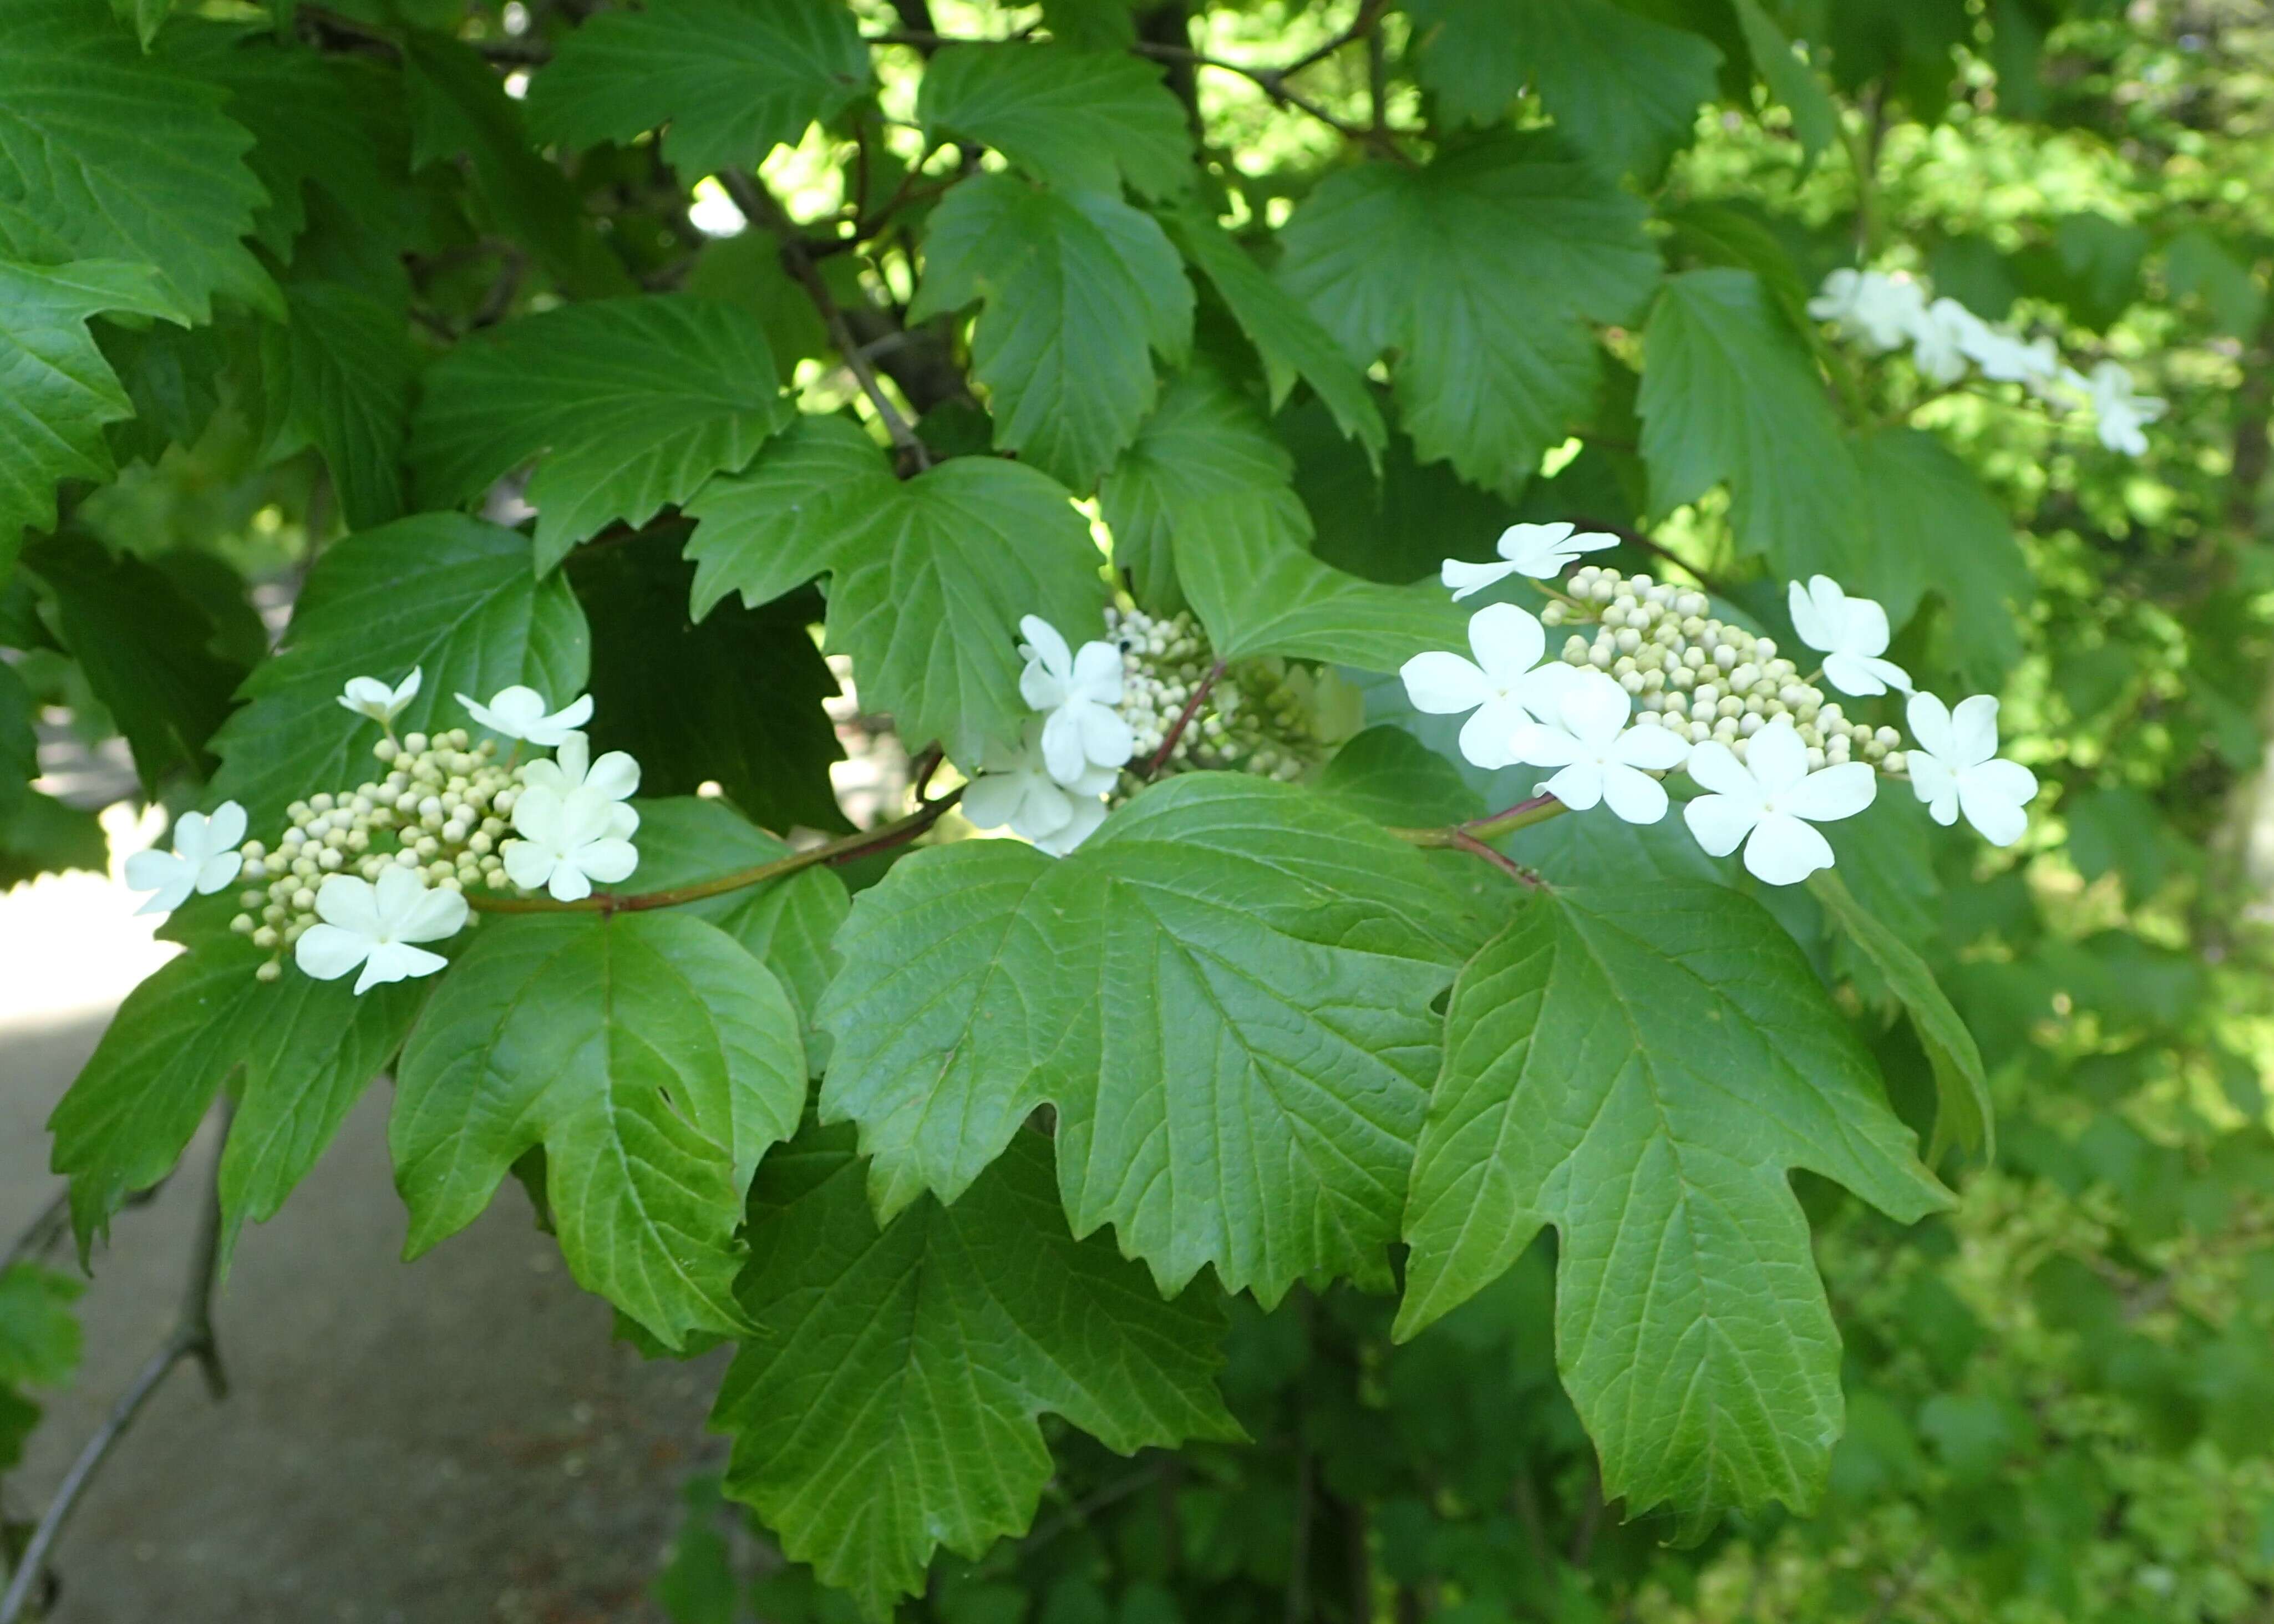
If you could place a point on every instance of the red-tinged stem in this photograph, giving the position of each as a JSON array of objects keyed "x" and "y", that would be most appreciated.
[
  {"x": 1462, "y": 840},
  {"x": 1160, "y": 757}
]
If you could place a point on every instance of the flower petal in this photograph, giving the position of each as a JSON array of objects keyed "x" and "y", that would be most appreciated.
[
  {"x": 1864, "y": 630},
  {"x": 616, "y": 775},
  {"x": 226, "y": 830},
  {"x": 569, "y": 884},
  {"x": 439, "y": 914},
  {"x": 992, "y": 799},
  {"x": 1784, "y": 851},
  {"x": 1832, "y": 792},
  {"x": 1528, "y": 546},
  {"x": 1658, "y": 748},
  {"x": 1045, "y": 646},
  {"x": 608, "y": 860},
  {"x": 1775, "y": 757},
  {"x": 1992, "y": 795},
  {"x": 1106, "y": 741},
  {"x": 1539, "y": 746},
  {"x": 1097, "y": 673},
  {"x": 162, "y": 873},
  {"x": 394, "y": 961},
  {"x": 1508, "y": 641},
  {"x": 1930, "y": 725},
  {"x": 1852, "y": 674},
  {"x": 1594, "y": 708},
  {"x": 1062, "y": 752},
  {"x": 326, "y": 952},
  {"x": 1086, "y": 816},
  {"x": 1578, "y": 786},
  {"x": 1486, "y": 736},
  {"x": 1807, "y": 619},
  {"x": 527, "y": 864},
  {"x": 1936, "y": 787},
  {"x": 1635, "y": 796},
  {"x": 1719, "y": 821},
  {"x": 1542, "y": 691},
  {"x": 1467, "y": 580},
  {"x": 1714, "y": 766},
  {"x": 1973, "y": 731},
  {"x": 1444, "y": 684},
  {"x": 351, "y": 903},
  {"x": 217, "y": 871}
]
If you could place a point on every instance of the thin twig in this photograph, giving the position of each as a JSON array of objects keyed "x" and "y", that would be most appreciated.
[
  {"x": 1160, "y": 757},
  {"x": 192, "y": 1338},
  {"x": 758, "y": 204},
  {"x": 1463, "y": 841},
  {"x": 42, "y": 1236},
  {"x": 1635, "y": 538}
]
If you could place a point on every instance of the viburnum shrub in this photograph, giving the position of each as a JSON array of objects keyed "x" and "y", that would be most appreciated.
[{"x": 1450, "y": 581}]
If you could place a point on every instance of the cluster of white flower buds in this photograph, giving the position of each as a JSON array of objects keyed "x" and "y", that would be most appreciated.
[
  {"x": 1262, "y": 716},
  {"x": 360, "y": 875},
  {"x": 1662, "y": 684},
  {"x": 1886, "y": 312}
]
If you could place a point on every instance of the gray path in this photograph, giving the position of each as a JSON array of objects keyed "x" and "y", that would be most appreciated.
[{"x": 452, "y": 1440}]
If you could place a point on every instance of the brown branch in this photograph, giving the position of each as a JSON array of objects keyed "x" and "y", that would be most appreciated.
[
  {"x": 759, "y": 206},
  {"x": 1160, "y": 757},
  {"x": 1635, "y": 538}
]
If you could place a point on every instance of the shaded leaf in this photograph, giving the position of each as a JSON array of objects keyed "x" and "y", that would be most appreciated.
[{"x": 1085, "y": 120}]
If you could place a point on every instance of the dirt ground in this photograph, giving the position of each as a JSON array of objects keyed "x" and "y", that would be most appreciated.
[{"x": 452, "y": 1440}]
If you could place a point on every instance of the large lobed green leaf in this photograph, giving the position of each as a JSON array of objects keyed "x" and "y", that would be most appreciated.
[
  {"x": 929, "y": 577},
  {"x": 1225, "y": 992},
  {"x": 654, "y": 1058},
  {"x": 452, "y": 596},
  {"x": 1085, "y": 120},
  {"x": 1484, "y": 270},
  {"x": 886, "y": 1402},
  {"x": 630, "y": 404},
  {"x": 733, "y": 79},
  {"x": 1640, "y": 1066}
]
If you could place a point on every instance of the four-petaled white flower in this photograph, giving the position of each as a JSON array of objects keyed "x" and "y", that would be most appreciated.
[
  {"x": 371, "y": 696},
  {"x": 1505, "y": 685},
  {"x": 1015, "y": 787},
  {"x": 1078, "y": 692},
  {"x": 518, "y": 712},
  {"x": 1883, "y": 311},
  {"x": 1954, "y": 768},
  {"x": 1770, "y": 799},
  {"x": 1541, "y": 551},
  {"x": 1602, "y": 758},
  {"x": 204, "y": 860},
  {"x": 615, "y": 776},
  {"x": 2120, "y": 413},
  {"x": 1944, "y": 339},
  {"x": 568, "y": 839},
  {"x": 375, "y": 926},
  {"x": 1851, "y": 633},
  {"x": 2004, "y": 358}
]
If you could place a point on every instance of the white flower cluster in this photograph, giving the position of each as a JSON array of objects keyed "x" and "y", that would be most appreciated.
[
  {"x": 361, "y": 875},
  {"x": 1051, "y": 788},
  {"x": 1886, "y": 312},
  {"x": 1261, "y": 716},
  {"x": 1662, "y": 684}
]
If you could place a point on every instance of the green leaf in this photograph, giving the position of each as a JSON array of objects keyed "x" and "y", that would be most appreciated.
[
  {"x": 1091, "y": 25},
  {"x": 1225, "y": 992},
  {"x": 1386, "y": 774},
  {"x": 1792, "y": 83},
  {"x": 629, "y": 405},
  {"x": 1964, "y": 1115},
  {"x": 349, "y": 370},
  {"x": 1729, "y": 393},
  {"x": 1396, "y": 523},
  {"x": 20, "y": 744},
  {"x": 106, "y": 153},
  {"x": 733, "y": 79},
  {"x": 1639, "y": 1066},
  {"x": 734, "y": 701},
  {"x": 1084, "y": 120},
  {"x": 39, "y": 1334},
  {"x": 1935, "y": 528},
  {"x": 929, "y": 577},
  {"x": 310, "y": 1048},
  {"x": 1624, "y": 90},
  {"x": 144, "y": 648},
  {"x": 1286, "y": 337},
  {"x": 886, "y": 1402},
  {"x": 459, "y": 109},
  {"x": 1258, "y": 592},
  {"x": 1075, "y": 291},
  {"x": 654, "y": 1059},
  {"x": 790, "y": 923},
  {"x": 43, "y": 836},
  {"x": 449, "y": 595},
  {"x": 768, "y": 530},
  {"x": 1483, "y": 271},
  {"x": 1204, "y": 441},
  {"x": 60, "y": 389}
]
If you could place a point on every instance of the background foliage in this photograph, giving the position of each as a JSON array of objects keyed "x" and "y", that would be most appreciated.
[{"x": 762, "y": 287}]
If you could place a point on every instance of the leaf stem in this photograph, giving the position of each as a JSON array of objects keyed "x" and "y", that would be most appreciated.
[
  {"x": 863, "y": 843},
  {"x": 1474, "y": 836},
  {"x": 1160, "y": 757}
]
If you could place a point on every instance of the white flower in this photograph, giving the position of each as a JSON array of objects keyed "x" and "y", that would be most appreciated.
[
  {"x": 518, "y": 712},
  {"x": 1851, "y": 633},
  {"x": 204, "y": 859},
  {"x": 371, "y": 696},
  {"x": 375, "y": 926},
  {"x": 1083, "y": 730},
  {"x": 1541, "y": 551},
  {"x": 1955, "y": 769},
  {"x": 2004, "y": 358},
  {"x": 1602, "y": 758},
  {"x": 1943, "y": 338},
  {"x": 568, "y": 839},
  {"x": 2122, "y": 413},
  {"x": 1881, "y": 310},
  {"x": 1769, "y": 800},
  {"x": 1015, "y": 787},
  {"x": 1501, "y": 685},
  {"x": 616, "y": 775},
  {"x": 1089, "y": 813}
]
